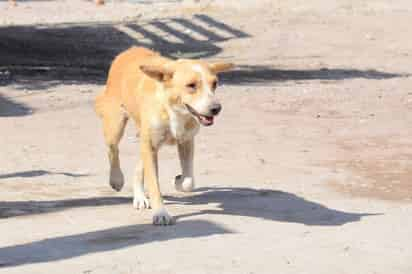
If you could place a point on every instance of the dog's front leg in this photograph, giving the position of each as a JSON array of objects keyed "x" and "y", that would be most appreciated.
[
  {"x": 150, "y": 171},
  {"x": 185, "y": 182},
  {"x": 139, "y": 198}
]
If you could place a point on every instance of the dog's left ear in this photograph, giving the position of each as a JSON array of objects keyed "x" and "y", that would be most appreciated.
[
  {"x": 221, "y": 67},
  {"x": 160, "y": 73}
]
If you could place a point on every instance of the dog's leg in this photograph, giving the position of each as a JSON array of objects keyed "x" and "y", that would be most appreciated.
[
  {"x": 150, "y": 170},
  {"x": 185, "y": 182},
  {"x": 139, "y": 198},
  {"x": 114, "y": 124}
]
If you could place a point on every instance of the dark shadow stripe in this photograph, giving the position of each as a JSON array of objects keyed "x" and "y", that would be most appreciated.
[
  {"x": 199, "y": 29},
  {"x": 182, "y": 36},
  {"x": 222, "y": 26}
]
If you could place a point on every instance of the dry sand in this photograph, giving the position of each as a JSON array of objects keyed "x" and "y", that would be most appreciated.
[{"x": 307, "y": 170}]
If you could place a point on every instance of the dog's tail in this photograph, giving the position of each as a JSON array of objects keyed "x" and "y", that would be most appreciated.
[
  {"x": 100, "y": 102},
  {"x": 106, "y": 105}
]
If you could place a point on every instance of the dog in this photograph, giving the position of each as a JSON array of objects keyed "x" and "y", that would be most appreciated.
[{"x": 168, "y": 100}]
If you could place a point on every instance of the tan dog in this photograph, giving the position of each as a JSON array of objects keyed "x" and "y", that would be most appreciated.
[{"x": 167, "y": 100}]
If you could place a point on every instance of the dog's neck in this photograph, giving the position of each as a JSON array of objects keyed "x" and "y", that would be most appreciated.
[{"x": 183, "y": 126}]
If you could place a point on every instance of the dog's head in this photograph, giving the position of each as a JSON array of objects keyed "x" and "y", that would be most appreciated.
[{"x": 190, "y": 86}]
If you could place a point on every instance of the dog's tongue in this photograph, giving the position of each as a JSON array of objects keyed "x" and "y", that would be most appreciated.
[{"x": 206, "y": 121}]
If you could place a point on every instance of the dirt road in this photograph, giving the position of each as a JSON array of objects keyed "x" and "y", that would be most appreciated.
[{"x": 307, "y": 170}]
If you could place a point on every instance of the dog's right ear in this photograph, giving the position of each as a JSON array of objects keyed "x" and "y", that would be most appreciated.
[
  {"x": 160, "y": 73},
  {"x": 221, "y": 67}
]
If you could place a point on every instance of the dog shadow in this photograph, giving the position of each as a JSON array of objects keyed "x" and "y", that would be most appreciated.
[
  {"x": 268, "y": 205},
  {"x": 265, "y": 204}
]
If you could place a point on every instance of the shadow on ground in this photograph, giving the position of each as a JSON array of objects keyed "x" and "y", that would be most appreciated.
[
  {"x": 10, "y": 108},
  {"x": 40, "y": 172},
  {"x": 66, "y": 247},
  {"x": 41, "y": 56},
  {"x": 250, "y": 75},
  {"x": 24, "y": 208},
  {"x": 258, "y": 203},
  {"x": 267, "y": 204}
]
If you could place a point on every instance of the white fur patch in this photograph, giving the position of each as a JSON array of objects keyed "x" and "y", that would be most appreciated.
[
  {"x": 184, "y": 184},
  {"x": 206, "y": 88},
  {"x": 202, "y": 105},
  {"x": 177, "y": 126},
  {"x": 140, "y": 201}
]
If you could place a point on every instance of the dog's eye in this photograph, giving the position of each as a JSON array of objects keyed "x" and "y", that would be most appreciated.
[
  {"x": 192, "y": 85},
  {"x": 214, "y": 85}
]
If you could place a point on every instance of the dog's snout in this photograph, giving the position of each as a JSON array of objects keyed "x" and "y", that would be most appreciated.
[{"x": 215, "y": 108}]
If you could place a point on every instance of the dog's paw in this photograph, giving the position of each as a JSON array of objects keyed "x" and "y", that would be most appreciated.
[
  {"x": 116, "y": 179},
  {"x": 162, "y": 217},
  {"x": 184, "y": 184},
  {"x": 140, "y": 202}
]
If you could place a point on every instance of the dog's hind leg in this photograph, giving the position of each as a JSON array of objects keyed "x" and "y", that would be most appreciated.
[
  {"x": 185, "y": 182},
  {"x": 114, "y": 121}
]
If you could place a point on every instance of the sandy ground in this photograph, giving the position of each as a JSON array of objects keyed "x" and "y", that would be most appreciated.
[{"x": 307, "y": 170}]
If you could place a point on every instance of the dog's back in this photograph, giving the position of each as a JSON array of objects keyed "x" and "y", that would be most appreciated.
[{"x": 124, "y": 70}]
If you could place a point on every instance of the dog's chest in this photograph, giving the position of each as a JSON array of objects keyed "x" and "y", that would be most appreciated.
[
  {"x": 176, "y": 129},
  {"x": 183, "y": 128}
]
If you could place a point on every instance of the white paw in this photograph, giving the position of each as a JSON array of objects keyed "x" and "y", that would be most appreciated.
[
  {"x": 116, "y": 179},
  {"x": 162, "y": 217},
  {"x": 184, "y": 184},
  {"x": 140, "y": 202}
]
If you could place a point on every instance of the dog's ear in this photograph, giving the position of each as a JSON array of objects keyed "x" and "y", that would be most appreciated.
[
  {"x": 158, "y": 72},
  {"x": 221, "y": 67}
]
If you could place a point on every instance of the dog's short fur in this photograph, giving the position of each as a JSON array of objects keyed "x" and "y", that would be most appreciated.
[{"x": 168, "y": 100}]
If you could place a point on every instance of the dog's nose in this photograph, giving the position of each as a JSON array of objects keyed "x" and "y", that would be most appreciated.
[{"x": 216, "y": 108}]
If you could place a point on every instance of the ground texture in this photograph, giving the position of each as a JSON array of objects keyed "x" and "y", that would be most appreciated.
[{"x": 307, "y": 170}]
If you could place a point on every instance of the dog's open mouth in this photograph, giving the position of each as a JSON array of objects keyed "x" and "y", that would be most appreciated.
[{"x": 203, "y": 119}]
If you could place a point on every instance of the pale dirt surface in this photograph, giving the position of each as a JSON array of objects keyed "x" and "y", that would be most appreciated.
[{"x": 307, "y": 170}]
